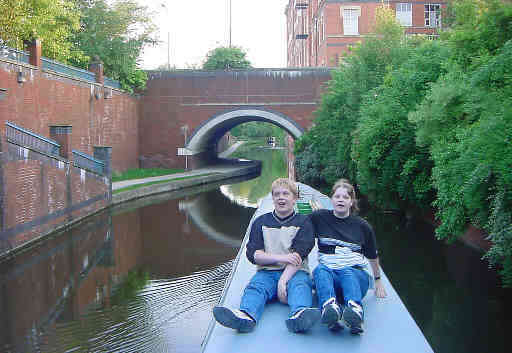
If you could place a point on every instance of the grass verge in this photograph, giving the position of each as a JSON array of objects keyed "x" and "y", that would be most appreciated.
[
  {"x": 132, "y": 187},
  {"x": 144, "y": 173}
]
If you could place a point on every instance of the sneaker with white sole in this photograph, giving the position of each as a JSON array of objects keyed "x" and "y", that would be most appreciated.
[
  {"x": 303, "y": 320},
  {"x": 233, "y": 318},
  {"x": 337, "y": 326},
  {"x": 353, "y": 317},
  {"x": 331, "y": 312}
]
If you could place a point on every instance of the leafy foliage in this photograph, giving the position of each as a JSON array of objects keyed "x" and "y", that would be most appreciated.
[
  {"x": 258, "y": 129},
  {"x": 74, "y": 31},
  {"x": 480, "y": 29},
  {"x": 225, "y": 58},
  {"x": 329, "y": 141},
  {"x": 391, "y": 169},
  {"x": 472, "y": 152},
  {"x": 420, "y": 123},
  {"x": 51, "y": 21},
  {"x": 116, "y": 34}
]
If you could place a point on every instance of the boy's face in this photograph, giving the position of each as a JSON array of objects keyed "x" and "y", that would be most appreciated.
[{"x": 284, "y": 201}]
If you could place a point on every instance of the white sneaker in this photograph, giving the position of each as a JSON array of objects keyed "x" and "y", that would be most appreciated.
[
  {"x": 353, "y": 317},
  {"x": 303, "y": 320},
  {"x": 233, "y": 318},
  {"x": 331, "y": 312}
]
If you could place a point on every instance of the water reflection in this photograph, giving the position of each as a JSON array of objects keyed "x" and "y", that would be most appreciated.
[
  {"x": 141, "y": 279},
  {"x": 212, "y": 220},
  {"x": 456, "y": 300},
  {"x": 248, "y": 193},
  {"x": 144, "y": 277},
  {"x": 44, "y": 286}
]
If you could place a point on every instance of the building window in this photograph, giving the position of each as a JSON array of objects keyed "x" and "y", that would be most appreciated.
[
  {"x": 404, "y": 14},
  {"x": 350, "y": 22},
  {"x": 432, "y": 15}
]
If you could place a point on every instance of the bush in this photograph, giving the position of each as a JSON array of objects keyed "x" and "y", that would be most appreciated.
[
  {"x": 391, "y": 169},
  {"x": 466, "y": 120},
  {"x": 338, "y": 114}
]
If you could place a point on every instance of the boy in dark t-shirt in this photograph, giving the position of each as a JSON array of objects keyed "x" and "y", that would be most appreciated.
[
  {"x": 346, "y": 246},
  {"x": 279, "y": 243}
]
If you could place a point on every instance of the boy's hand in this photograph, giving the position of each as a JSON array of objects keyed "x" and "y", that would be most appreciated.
[
  {"x": 292, "y": 259},
  {"x": 282, "y": 293}
]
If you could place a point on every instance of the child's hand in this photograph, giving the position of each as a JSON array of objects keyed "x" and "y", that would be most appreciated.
[
  {"x": 292, "y": 259},
  {"x": 282, "y": 294}
]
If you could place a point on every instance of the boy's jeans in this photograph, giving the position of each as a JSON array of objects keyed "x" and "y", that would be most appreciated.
[
  {"x": 353, "y": 282},
  {"x": 263, "y": 288}
]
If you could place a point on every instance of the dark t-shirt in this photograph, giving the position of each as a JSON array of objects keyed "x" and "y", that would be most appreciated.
[
  {"x": 281, "y": 236},
  {"x": 343, "y": 242}
]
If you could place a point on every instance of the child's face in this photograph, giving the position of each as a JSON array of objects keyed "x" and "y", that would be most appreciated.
[
  {"x": 284, "y": 201},
  {"x": 341, "y": 202}
]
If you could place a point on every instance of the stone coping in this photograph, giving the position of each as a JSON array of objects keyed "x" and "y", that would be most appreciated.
[{"x": 173, "y": 185}]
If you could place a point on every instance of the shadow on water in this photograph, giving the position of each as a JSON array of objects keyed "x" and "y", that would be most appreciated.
[
  {"x": 141, "y": 277},
  {"x": 455, "y": 299}
]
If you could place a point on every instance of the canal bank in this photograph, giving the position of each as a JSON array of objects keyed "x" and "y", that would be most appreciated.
[
  {"x": 144, "y": 275},
  {"x": 227, "y": 169}
]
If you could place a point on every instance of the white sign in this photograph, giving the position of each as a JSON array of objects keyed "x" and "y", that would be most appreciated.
[{"x": 184, "y": 152}]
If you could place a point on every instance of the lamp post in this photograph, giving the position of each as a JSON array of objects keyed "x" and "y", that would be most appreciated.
[
  {"x": 184, "y": 130},
  {"x": 230, "y": 23},
  {"x": 168, "y": 37}
]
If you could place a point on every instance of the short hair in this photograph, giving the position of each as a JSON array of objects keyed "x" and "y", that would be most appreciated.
[
  {"x": 286, "y": 183},
  {"x": 345, "y": 184}
]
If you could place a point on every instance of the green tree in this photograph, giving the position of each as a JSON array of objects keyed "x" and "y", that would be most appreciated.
[
  {"x": 391, "y": 169},
  {"x": 434, "y": 121},
  {"x": 224, "y": 58},
  {"x": 117, "y": 34},
  {"x": 52, "y": 21},
  {"x": 466, "y": 121},
  {"x": 258, "y": 129},
  {"x": 479, "y": 28},
  {"x": 329, "y": 141}
]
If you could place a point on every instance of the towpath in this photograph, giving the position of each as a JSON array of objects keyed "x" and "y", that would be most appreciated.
[{"x": 222, "y": 169}]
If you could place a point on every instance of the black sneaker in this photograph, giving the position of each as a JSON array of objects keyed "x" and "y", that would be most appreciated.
[
  {"x": 330, "y": 312},
  {"x": 353, "y": 317},
  {"x": 303, "y": 320},
  {"x": 233, "y": 318},
  {"x": 337, "y": 326}
]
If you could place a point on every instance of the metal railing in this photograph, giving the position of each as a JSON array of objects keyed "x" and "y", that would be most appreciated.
[
  {"x": 27, "y": 138},
  {"x": 111, "y": 83},
  {"x": 68, "y": 70},
  {"x": 14, "y": 54},
  {"x": 48, "y": 64},
  {"x": 85, "y": 161}
]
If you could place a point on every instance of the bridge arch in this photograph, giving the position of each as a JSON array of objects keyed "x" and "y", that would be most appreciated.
[{"x": 205, "y": 137}]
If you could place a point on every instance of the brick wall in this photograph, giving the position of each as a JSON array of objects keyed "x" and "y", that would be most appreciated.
[
  {"x": 336, "y": 43},
  {"x": 40, "y": 192},
  {"x": 189, "y": 98},
  {"x": 46, "y": 98}
]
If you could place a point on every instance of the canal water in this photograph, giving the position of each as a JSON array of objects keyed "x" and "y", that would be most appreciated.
[{"x": 143, "y": 277}]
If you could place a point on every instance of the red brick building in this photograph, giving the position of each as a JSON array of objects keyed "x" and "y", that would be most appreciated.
[{"x": 319, "y": 32}]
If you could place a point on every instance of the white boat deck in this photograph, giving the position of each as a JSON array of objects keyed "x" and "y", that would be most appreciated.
[{"x": 389, "y": 328}]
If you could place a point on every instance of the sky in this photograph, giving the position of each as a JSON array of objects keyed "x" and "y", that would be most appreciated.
[{"x": 196, "y": 27}]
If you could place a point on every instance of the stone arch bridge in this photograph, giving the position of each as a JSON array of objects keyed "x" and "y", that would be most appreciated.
[{"x": 187, "y": 113}]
